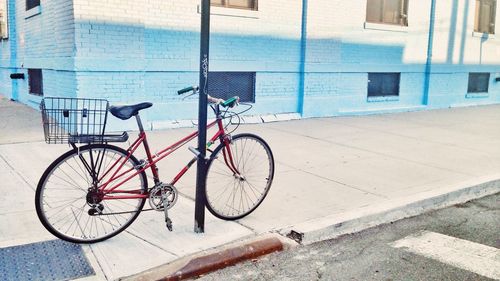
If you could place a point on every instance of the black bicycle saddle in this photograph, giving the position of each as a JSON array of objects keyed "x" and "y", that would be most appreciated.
[{"x": 126, "y": 111}]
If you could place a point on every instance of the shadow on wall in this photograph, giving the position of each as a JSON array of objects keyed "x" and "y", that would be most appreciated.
[
  {"x": 129, "y": 63},
  {"x": 104, "y": 47},
  {"x": 336, "y": 51},
  {"x": 453, "y": 32},
  {"x": 162, "y": 61}
]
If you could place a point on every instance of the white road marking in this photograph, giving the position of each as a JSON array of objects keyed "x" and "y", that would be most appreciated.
[{"x": 474, "y": 257}]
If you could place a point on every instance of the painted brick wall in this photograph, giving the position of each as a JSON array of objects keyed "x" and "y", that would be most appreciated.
[
  {"x": 59, "y": 83},
  {"x": 7, "y": 54},
  {"x": 4, "y": 52},
  {"x": 151, "y": 50},
  {"x": 39, "y": 38},
  {"x": 47, "y": 35},
  {"x": 342, "y": 48},
  {"x": 5, "y": 82},
  {"x": 457, "y": 51},
  {"x": 130, "y": 51}
]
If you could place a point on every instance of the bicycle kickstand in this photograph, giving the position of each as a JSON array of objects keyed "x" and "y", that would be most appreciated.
[{"x": 168, "y": 221}]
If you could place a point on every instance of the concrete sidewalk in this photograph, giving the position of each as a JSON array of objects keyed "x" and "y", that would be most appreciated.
[{"x": 333, "y": 176}]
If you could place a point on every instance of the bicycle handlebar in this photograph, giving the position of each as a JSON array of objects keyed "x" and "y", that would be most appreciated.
[
  {"x": 188, "y": 89},
  {"x": 231, "y": 102}
]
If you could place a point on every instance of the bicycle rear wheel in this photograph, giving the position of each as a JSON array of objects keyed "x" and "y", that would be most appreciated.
[
  {"x": 68, "y": 205},
  {"x": 231, "y": 195}
]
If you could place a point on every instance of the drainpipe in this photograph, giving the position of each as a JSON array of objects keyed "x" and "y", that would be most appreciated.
[
  {"x": 430, "y": 43},
  {"x": 11, "y": 18},
  {"x": 303, "y": 45}
]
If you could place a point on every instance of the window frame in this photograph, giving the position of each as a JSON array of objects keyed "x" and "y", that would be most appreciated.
[
  {"x": 32, "y": 74},
  {"x": 380, "y": 94},
  {"x": 479, "y": 14},
  {"x": 403, "y": 21},
  {"x": 30, "y": 5},
  {"x": 476, "y": 89},
  {"x": 226, "y": 4}
]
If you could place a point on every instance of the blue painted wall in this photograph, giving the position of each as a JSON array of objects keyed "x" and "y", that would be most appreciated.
[
  {"x": 314, "y": 61},
  {"x": 40, "y": 38},
  {"x": 163, "y": 61}
]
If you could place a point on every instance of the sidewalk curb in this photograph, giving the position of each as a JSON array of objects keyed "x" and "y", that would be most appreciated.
[
  {"x": 215, "y": 259},
  {"x": 335, "y": 225}
]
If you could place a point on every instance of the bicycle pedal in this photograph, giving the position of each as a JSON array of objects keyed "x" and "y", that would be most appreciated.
[{"x": 168, "y": 223}]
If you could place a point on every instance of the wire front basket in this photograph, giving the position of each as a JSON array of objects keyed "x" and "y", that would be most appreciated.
[{"x": 74, "y": 120}]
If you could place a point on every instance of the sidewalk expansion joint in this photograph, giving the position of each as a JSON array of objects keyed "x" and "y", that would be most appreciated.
[
  {"x": 151, "y": 243},
  {"x": 17, "y": 173},
  {"x": 335, "y": 181},
  {"x": 98, "y": 262},
  {"x": 380, "y": 153}
]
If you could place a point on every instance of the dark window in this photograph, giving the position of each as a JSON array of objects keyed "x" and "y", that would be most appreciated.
[
  {"x": 387, "y": 11},
  {"x": 35, "y": 81},
  {"x": 225, "y": 85},
  {"x": 30, "y": 4},
  {"x": 485, "y": 16},
  {"x": 478, "y": 82},
  {"x": 239, "y": 4},
  {"x": 383, "y": 84}
]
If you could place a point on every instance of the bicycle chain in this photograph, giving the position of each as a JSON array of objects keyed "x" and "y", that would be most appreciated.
[
  {"x": 119, "y": 213},
  {"x": 151, "y": 191}
]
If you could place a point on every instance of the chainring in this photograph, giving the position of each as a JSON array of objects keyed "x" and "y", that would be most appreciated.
[{"x": 161, "y": 191}]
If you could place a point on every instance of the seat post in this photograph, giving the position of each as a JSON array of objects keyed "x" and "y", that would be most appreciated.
[{"x": 139, "y": 123}]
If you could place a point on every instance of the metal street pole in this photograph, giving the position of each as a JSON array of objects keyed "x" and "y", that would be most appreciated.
[{"x": 199, "y": 209}]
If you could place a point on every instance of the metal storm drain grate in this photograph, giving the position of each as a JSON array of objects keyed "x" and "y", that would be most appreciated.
[{"x": 49, "y": 260}]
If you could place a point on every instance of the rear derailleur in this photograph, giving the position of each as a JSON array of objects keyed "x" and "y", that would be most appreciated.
[{"x": 94, "y": 199}]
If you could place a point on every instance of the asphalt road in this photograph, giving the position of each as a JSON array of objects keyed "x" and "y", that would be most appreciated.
[{"x": 433, "y": 246}]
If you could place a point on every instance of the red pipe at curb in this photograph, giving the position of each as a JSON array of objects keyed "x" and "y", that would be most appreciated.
[{"x": 228, "y": 257}]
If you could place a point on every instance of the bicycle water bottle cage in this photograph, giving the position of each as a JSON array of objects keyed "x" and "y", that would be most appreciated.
[{"x": 127, "y": 111}]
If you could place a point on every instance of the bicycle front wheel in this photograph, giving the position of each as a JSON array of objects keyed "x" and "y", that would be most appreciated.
[
  {"x": 69, "y": 205},
  {"x": 239, "y": 177}
]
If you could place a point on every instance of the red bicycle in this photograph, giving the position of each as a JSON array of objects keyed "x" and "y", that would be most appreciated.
[{"x": 96, "y": 190}]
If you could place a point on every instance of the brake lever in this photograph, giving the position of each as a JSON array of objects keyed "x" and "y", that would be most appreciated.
[{"x": 192, "y": 93}]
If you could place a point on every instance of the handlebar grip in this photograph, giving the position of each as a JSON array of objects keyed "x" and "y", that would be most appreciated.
[
  {"x": 230, "y": 102},
  {"x": 185, "y": 90}
]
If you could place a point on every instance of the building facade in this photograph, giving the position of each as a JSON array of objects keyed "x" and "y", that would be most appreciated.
[{"x": 313, "y": 58}]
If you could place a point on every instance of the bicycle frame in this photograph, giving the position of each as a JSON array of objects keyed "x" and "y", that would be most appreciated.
[
  {"x": 108, "y": 189},
  {"x": 96, "y": 190}
]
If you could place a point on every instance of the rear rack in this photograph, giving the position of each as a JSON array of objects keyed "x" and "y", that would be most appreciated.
[{"x": 98, "y": 138}]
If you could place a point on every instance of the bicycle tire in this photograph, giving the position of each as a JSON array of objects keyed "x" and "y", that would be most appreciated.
[
  {"x": 67, "y": 179},
  {"x": 254, "y": 160}
]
